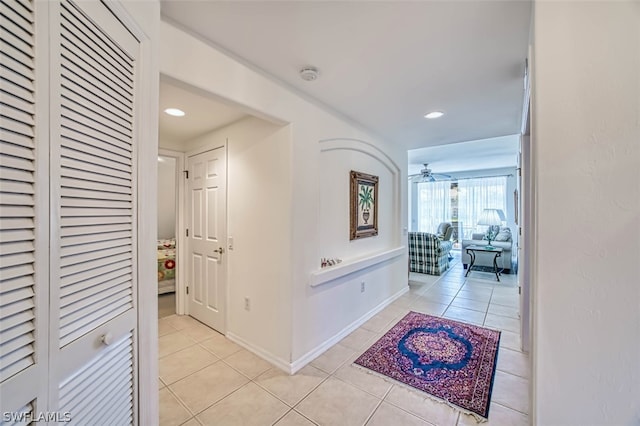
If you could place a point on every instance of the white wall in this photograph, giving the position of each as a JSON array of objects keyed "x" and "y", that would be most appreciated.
[
  {"x": 166, "y": 197},
  {"x": 259, "y": 217},
  {"x": 586, "y": 147},
  {"x": 313, "y": 315}
]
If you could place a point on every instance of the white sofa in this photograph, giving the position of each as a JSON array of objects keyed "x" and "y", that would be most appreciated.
[{"x": 503, "y": 240}]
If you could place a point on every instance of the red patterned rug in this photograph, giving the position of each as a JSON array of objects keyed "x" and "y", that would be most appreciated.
[{"x": 451, "y": 360}]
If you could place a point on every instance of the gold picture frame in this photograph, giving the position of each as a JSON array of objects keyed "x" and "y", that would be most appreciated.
[{"x": 363, "y": 205}]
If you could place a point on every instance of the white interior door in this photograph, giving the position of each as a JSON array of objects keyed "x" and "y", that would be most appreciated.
[{"x": 206, "y": 263}]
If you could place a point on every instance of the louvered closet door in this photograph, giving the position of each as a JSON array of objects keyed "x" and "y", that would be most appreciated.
[
  {"x": 23, "y": 215},
  {"x": 93, "y": 191}
]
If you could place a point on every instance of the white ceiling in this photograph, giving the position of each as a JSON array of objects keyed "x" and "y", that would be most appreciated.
[
  {"x": 493, "y": 153},
  {"x": 203, "y": 113},
  {"x": 384, "y": 64}
]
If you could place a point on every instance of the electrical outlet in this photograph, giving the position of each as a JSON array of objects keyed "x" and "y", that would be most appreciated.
[
  {"x": 247, "y": 304},
  {"x": 362, "y": 287}
]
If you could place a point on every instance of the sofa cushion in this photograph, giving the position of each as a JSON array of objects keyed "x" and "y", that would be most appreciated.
[{"x": 503, "y": 235}]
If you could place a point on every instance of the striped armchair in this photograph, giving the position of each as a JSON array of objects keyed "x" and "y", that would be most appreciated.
[{"x": 428, "y": 254}]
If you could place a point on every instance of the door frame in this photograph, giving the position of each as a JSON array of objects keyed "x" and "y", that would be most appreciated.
[
  {"x": 179, "y": 226},
  {"x": 187, "y": 211}
]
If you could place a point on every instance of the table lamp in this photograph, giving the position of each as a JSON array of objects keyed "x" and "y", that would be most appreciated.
[{"x": 491, "y": 218}]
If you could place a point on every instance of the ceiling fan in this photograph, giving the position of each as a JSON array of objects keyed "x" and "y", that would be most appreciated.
[{"x": 426, "y": 175}]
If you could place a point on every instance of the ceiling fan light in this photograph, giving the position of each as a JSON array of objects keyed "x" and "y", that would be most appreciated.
[{"x": 434, "y": 114}]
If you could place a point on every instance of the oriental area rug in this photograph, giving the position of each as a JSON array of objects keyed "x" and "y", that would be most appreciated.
[{"x": 450, "y": 360}]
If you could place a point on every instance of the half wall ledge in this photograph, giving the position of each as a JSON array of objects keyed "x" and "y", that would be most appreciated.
[{"x": 347, "y": 267}]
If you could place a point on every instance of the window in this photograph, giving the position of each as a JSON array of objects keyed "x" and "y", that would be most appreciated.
[
  {"x": 459, "y": 203},
  {"x": 475, "y": 195}
]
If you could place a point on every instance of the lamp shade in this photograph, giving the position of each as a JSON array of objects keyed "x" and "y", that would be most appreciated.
[{"x": 491, "y": 217}]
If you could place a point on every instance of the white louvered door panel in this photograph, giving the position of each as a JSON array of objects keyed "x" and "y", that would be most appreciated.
[
  {"x": 23, "y": 265},
  {"x": 99, "y": 391},
  {"x": 94, "y": 275}
]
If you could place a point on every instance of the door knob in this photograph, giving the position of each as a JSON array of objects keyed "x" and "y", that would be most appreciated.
[{"x": 220, "y": 250}]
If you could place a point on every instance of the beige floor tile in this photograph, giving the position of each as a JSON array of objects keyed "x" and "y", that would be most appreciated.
[
  {"x": 180, "y": 322},
  {"x": 173, "y": 342},
  {"x": 172, "y": 413},
  {"x": 444, "y": 299},
  {"x": 427, "y": 307},
  {"x": 379, "y": 323},
  {"x": 199, "y": 332},
  {"x": 498, "y": 416},
  {"x": 514, "y": 362},
  {"x": 502, "y": 323},
  {"x": 192, "y": 422},
  {"x": 249, "y": 406},
  {"x": 403, "y": 301},
  {"x": 438, "y": 290},
  {"x": 395, "y": 312},
  {"x": 505, "y": 300},
  {"x": 160, "y": 384},
  {"x": 422, "y": 406},
  {"x": 220, "y": 346},
  {"x": 207, "y": 386},
  {"x": 505, "y": 311},
  {"x": 454, "y": 284},
  {"x": 464, "y": 315},
  {"x": 511, "y": 391},
  {"x": 293, "y": 418},
  {"x": 475, "y": 305},
  {"x": 502, "y": 289},
  {"x": 179, "y": 365},
  {"x": 363, "y": 379},
  {"x": 333, "y": 358},
  {"x": 166, "y": 305},
  {"x": 359, "y": 339},
  {"x": 291, "y": 388},
  {"x": 247, "y": 363},
  {"x": 388, "y": 414},
  {"x": 474, "y": 295},
  {"x": 164, "y": 327},
  {"x": 511, "y": 340},
  {"x": 335, "y": 402}
]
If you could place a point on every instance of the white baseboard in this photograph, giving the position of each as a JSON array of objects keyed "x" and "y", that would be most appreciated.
[
  {"x": 282, "y": 364},
  {"x": 293, "y": 367},
  {"x": 323, "y": 347}
]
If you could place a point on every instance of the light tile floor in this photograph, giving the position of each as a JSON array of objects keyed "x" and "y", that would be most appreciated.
[{"x": 205, "y": 379}]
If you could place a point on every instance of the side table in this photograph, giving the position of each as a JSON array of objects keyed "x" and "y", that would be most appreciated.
[{"x": 471, "y": 251}]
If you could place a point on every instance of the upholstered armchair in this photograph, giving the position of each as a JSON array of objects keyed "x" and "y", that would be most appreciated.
[
  {"x": 445, "y": 231},
  {"x": 428, "y": 254}
]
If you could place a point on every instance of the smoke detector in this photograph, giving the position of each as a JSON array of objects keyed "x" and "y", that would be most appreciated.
[{"x": 309, "y": 73}]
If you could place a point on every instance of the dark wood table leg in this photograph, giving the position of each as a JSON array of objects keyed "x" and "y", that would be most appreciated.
[
  {"x": 495, "y": 265},
  {"x": 472, "y": 254}
]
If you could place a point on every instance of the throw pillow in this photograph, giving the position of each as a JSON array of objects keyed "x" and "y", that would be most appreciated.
[{"x": 504, "y": 235}]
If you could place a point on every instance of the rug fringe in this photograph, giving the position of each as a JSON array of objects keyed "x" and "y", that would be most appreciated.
[{"x": 478, "y": 418}]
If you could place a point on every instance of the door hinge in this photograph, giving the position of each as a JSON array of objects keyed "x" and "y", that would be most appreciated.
[
  {"x": 519, "y": 290},
  {"x": 186, "y": 174},
  {"x": 187, "y": 289},
  {"x": 187, "y": 232}
]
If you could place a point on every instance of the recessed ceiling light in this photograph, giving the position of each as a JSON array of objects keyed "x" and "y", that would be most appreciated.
[
  {"x": 175, "y": 112},
  {"x": 434, "y": 114}
]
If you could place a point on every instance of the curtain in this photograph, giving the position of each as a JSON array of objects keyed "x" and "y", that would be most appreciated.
[
  {"x": 475, "y": 195},
  {"x": 434, "y": 205}
]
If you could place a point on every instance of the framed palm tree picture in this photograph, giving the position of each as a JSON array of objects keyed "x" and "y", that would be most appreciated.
[{"x": 363, "y": 205}]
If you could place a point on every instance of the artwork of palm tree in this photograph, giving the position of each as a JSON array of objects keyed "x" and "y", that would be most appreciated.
[{"x": 365, "y": 201}]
